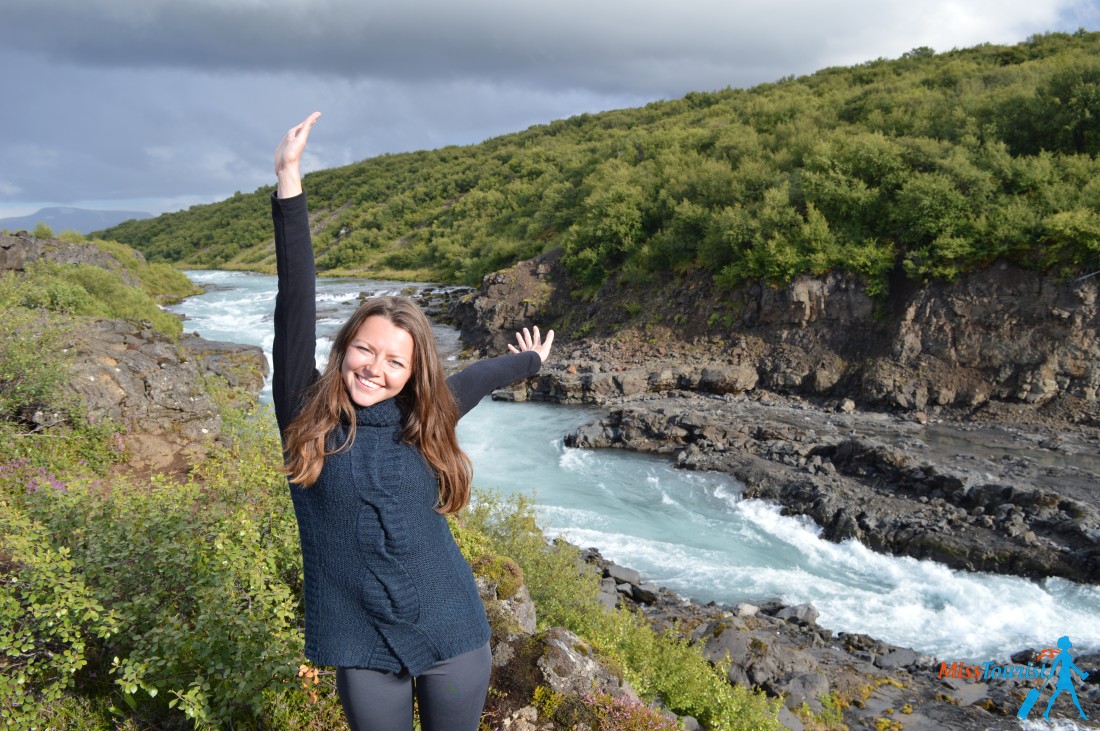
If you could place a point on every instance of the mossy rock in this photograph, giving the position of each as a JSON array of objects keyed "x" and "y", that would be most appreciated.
[{"x": 502, "y": 571}]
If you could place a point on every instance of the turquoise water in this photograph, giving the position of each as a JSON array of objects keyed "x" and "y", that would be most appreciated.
[{"x": 691, "y": 531}]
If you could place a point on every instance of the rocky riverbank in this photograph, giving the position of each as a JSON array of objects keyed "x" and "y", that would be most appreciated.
[
  {"x": 827, "y": 679},
  {"x": 958, "y": 424},
  {"x": 980, "y": 497}
]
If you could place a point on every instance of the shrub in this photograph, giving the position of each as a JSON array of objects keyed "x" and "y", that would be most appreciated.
[
  {"x": 32, "y": 364},
  {"x": 624, "y": 714},
  {"x": 203, "y": 577},
  {"x": 82, "y": 289},
  {"x": 49, "y": 618}
]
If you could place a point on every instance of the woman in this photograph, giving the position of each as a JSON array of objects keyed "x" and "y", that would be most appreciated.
[{"x": 373, "y": 465}]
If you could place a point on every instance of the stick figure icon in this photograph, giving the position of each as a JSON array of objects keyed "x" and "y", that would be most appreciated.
[{"x": 1065, "y": 668}]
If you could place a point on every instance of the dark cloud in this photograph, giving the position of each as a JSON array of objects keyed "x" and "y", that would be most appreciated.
[
  {"x": 607, "y": 46},
  {"x": 180, "y": 101}
]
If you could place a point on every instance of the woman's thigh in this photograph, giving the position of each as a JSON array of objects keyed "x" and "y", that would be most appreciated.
[
  {"x": 451, "y": 694},
  {"x": 375, "y": 701}
]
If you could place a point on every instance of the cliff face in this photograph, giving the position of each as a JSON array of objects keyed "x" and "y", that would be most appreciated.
[
  {"x": 137, "y": 377},
  {"x": 1024, "y": 336},
  {"x": 998, "y": 337}
]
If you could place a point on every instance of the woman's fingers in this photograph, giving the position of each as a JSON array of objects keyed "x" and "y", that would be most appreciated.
[
  {"x": 526, "y": 340},
  {"x": 305, "y": 126},
  {"x": 290, "y": 149}
]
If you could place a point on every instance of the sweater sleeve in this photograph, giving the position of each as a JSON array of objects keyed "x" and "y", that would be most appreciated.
[
  {"x": 483, "y": 377},
  {"x": 295, "y": 308}
]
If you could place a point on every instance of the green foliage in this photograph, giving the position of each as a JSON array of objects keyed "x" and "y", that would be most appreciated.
[
  {"x": 42, "y": 231},
  {"x": 83, "y": 289},
  {"x": 564, "y": 590},
  {"x": 202, "y": 575},
  {"x": 943, "y": 162},
  {"x": 32, "y": 364},
  {"x": 160, "y": 281},
  {"x": 49, "y": 617}
]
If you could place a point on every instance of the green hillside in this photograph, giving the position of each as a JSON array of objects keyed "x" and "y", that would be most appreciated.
[{"x": 934, "y": 162}]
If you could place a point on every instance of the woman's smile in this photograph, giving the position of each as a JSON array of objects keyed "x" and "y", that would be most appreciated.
[{"x": 378, "y": 362}]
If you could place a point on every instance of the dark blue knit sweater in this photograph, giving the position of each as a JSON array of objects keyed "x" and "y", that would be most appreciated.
[{"x": 386, "y": 587}]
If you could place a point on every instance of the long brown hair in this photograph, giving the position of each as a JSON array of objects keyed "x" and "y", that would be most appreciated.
[{"x": 428, "y": 407}]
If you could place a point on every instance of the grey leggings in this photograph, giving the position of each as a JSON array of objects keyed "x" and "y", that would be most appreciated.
[{"x": 450, "y": 695}]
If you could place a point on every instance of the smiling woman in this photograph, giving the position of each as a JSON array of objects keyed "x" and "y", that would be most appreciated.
[{"x": 374, "y": 464}]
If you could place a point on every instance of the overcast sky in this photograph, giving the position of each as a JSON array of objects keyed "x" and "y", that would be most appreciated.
[{"x": 156, "y": 105}]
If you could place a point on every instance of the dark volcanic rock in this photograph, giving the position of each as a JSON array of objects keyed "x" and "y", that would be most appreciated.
[
  {"x": 882, "y": 486},
  {"x": 508, "y": 301},
  {"x": 1000, "y": 338}
]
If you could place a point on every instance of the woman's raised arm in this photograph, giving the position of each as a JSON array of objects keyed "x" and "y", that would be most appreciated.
[{"x": 295, "y": 304}]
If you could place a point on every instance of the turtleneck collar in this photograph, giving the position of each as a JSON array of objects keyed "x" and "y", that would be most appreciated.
[{"x": 383, "y": 413}]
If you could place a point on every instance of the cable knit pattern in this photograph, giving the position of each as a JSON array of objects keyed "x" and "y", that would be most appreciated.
[
  {"x": 385, "y": 585},
  {"x": 383, "y": 600}
]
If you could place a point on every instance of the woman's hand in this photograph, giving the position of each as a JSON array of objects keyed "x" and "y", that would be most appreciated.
[
  {"x": 288, "y": 157},
  {"x": 527, "y": 341}
]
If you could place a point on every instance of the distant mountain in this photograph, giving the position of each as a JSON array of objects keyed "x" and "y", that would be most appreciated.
[{"x": 60, "y": 218}]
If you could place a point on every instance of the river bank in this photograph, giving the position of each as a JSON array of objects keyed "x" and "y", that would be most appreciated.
[
  {"x": 825, "y": 679},
  {"x": 1011, "y": 498},
  {"x": 959, "y": 429}
]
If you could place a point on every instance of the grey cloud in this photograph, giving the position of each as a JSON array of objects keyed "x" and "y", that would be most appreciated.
[
  {"x": 95, "y": 134},
  {"x": 611, "y": 45}
]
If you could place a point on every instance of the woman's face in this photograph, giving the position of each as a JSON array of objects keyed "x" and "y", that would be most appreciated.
[{"x": 378, "y": 361}]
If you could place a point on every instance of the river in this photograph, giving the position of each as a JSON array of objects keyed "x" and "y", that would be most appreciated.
[{"x": 691, "y": 531}]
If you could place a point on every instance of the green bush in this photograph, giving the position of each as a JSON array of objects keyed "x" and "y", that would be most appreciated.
[
  {"x": 160, "y": 281},
  {"x": 32, "y": 362},
  {"x": 564, "y": 590},
  {"x": 200, "y": 580},
  {"x": 50, "y": 619},
  {"x": 83, "y": 289}
]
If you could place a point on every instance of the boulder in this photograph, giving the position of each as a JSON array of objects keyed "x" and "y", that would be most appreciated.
[
  {"x": 728, "y": 379},
  {"x": 799, "y": 613},
  {"x": 622, "y": 574}
]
